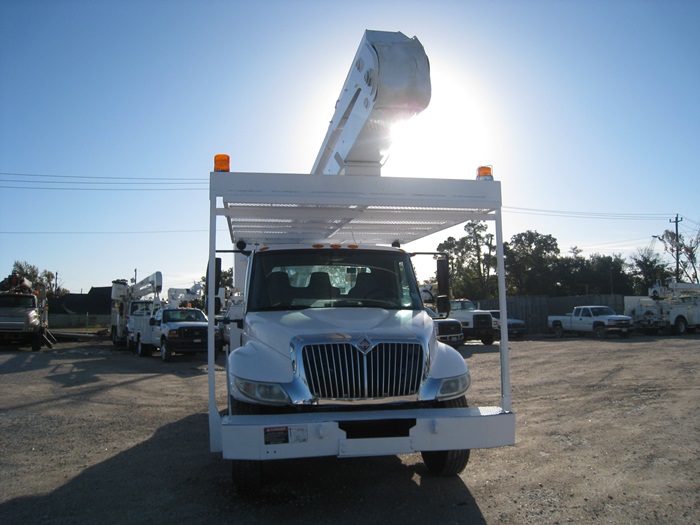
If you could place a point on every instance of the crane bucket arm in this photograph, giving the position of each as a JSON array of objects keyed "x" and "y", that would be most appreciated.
[
  {"x": 389, "y": 81},
  {"x": 153, "y": 284}
]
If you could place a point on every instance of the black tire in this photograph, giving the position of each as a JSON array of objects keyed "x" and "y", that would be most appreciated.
[
  {"x": 114, "y": 336},
  {"x": 558, "y": 331},
  {"x": 36, "y": 343},
  {"x": 246, "y": 474},
  {"x": 165, "y": 352},
  {"x": 680, "y": 326},
  {"x": 599, "y": 332},
  {"x": 143, "y": 350},
  {"x": 447, "y": 463},
  {"x": 487, "y": 340}
]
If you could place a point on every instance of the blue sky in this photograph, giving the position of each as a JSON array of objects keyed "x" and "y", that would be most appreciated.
[{"x": 111, "y": 113}]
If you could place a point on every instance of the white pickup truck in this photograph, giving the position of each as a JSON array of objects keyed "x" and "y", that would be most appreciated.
[
  {"x": 598, "y": 320},
  {"x": 181, "y": 330}
]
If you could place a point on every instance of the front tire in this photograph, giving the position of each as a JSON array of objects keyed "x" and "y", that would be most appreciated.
[
  {"x": 680, "y": 327},
  {"x": 446, "y": 463},
  {"x": 599, "y": 332},
  {"x": 247, "y": 474},
  {"x": 487, "y": 340},
  {"x": 142, "y": 349},
  {"x": 165, "y": 352}
]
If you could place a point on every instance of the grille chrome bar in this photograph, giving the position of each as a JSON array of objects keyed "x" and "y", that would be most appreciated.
[{"x": 342, "y": 371}]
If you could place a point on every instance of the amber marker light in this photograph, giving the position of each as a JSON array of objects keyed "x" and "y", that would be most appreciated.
[
  {"x": 222, "y": 162},
  {"x": 484, "y": 173}
]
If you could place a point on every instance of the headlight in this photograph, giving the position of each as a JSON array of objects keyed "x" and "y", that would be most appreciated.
[
  {"x": 172, "y": 333},
  {"x": 454, "y": 386},
  {"x": 264, "y": 392}
]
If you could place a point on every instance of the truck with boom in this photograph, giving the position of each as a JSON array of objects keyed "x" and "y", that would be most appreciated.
[
  {"x": 333, "y": 352},
  {"x": 669, "y": 308},
  {"x": 131, "y": 304}
]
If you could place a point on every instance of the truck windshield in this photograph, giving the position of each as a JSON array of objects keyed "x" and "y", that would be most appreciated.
[
  {"x": 17, "y": 301},
  {"x": 602, "y": 310},
  {"x": 183, "y": 315},
  {"x": 320, "y": 278}
]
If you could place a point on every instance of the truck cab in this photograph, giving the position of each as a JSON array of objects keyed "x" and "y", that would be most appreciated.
[
  {"x": 476, "y": 324},
  {"x": 359, "y": 307}
]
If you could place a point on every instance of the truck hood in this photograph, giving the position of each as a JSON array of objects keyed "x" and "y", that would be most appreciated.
[
  {"x": 337, "y": 324},
  {"x": 187, "y": 324}
]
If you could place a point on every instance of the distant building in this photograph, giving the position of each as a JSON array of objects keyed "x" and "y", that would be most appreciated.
[{"x": 98, "y": 301}]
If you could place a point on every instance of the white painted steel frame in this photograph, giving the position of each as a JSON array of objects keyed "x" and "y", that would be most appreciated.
[{"x": 265, "y": 209}]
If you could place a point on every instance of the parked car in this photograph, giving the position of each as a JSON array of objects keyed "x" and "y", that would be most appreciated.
[
  {"x": 449, "y": 330},
  {"x": 516, "y": 327}
]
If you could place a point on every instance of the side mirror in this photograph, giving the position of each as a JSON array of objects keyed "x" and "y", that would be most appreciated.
[
  {"x": 443, "y": 305},
  {"x": 443, "y": 282}
]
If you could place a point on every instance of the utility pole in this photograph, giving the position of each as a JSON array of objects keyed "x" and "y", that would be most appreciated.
[{"x": 678, "y": 246}]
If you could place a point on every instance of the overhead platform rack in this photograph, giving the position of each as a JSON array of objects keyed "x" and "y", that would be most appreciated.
[{"x": 265, "y": 209}]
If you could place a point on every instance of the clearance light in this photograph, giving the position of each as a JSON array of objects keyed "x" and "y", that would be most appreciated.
[
  {"x": 336, "y": 246},
  {"x": 221, "y": 162},
  {"x": 484, "y": 173},
  {"x": 353, "y": 246},
  {"x": 317, "y": 245}
]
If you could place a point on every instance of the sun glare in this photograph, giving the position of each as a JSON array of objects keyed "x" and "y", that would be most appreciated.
[{"x": 457, "y": 132}]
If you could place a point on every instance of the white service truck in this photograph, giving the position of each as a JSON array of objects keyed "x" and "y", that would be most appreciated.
[
  {"x": 596, "y": 320},
  {"x": 132, "y": 306},
  {"x": 334, "y": 353},
  {"x": 173, "y": 330},
  {"x": 476, "y": 324},
  {"x": 669, "y": 308}
]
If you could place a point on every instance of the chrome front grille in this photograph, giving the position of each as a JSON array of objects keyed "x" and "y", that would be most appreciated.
[
  {"x": 482, "y": 321},
  {"x": 341, "y": 371}
]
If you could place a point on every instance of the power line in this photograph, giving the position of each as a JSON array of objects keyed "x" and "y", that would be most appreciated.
[
  {"x": 587, "y": 215},
  {"x": 15, "y": 174}
]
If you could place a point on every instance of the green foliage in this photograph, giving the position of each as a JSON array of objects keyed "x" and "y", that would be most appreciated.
[
  {"x": 534, "y": 266},
  {"x": 472, "y": 262},
  {"x": 39, "y": 278}
]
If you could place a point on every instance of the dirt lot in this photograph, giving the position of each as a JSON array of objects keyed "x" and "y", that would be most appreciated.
[{"x": 607, "y": 432}]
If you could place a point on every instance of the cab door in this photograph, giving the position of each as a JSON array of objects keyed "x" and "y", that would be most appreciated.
[
  {"x": 581, "y": 320},
  {"x": 157, "y": 328}
]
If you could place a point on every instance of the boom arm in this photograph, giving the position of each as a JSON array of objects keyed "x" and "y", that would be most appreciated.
[
  {"x": 153, "y": 284},
  {"x": 389, "y": 81}
]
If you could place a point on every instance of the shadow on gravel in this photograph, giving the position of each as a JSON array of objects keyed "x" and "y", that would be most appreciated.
[{"x": 172, "y": 477}]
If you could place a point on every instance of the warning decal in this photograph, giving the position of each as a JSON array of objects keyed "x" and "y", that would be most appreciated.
[{"x": 286, "y": 434}]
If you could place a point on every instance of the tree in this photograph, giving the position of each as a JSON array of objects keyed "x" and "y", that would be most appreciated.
[
  {"x": 648, "y": 268},
  {"x": 472, "y": 261},
  {"x": 607, "y": 274},
  {"x": 684, "y": 253},
  {"x": 531, "y": 264},
  {"x": 38, "y": 278}
]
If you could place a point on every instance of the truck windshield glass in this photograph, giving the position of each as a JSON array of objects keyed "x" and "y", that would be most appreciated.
[
  {"x": 320, "y": 278},
  {"x": 602, "y": 310},
  {"x": 17, "y": 301},
  {"x": 183, "y": 315}
]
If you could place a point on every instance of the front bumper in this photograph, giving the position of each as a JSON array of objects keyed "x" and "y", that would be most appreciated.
[
  {"x": 184, "y": 346},
  {"x": 316, "y": 434}
]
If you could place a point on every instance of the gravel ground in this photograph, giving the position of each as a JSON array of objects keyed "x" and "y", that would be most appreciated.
[{"x": 607, "y": 432}]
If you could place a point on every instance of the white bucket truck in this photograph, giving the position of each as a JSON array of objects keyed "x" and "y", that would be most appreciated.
[{"x": 332, "y": 352}]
